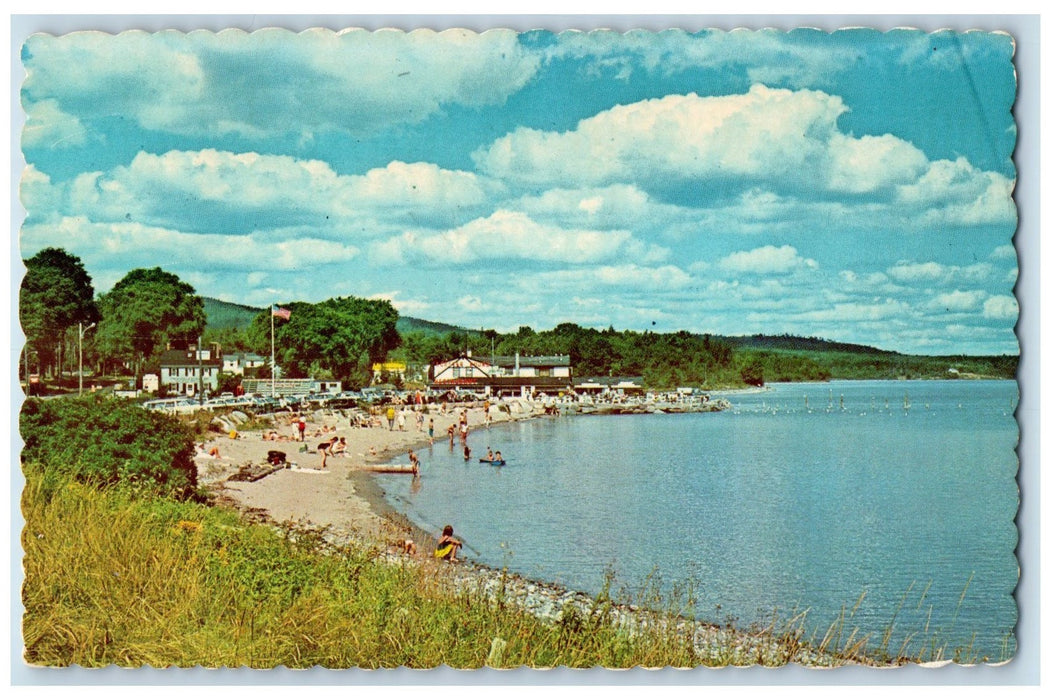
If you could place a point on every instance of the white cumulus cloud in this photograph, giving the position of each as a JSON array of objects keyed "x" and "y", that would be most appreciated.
[
  {"x": 958, "y": 301},
  {"x": 938, "y": 273},
  {"x": 512, "y": 235},
  {"x": 47, "y": 126},
  {"x": 766, "y": 260},
  {"x": 1000, "y": 307},
  {"x": 273, "y": 81},
  {"x": 194, "y": 190}
]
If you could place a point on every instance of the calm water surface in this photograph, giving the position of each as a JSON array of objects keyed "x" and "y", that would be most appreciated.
[{"x": 803, "y": 497}]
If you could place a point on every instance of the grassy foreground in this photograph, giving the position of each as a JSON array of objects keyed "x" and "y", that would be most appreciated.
[{"x": 115, "y": 579}]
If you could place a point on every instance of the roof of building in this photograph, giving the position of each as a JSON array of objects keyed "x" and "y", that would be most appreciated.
[
  {"x": 185, "y": 358},
  {"x": 246, "y": 356},
  {"x": 610, "y": 381},
  {"x": 532, "y": 360},
  {"x": 503, "y": 382},
  {"x": 463, "y": 361}
]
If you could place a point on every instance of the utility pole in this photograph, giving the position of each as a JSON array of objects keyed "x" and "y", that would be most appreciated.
[
  {"x": 80, "y": 355},
  {"x": 200, "y": 374}
]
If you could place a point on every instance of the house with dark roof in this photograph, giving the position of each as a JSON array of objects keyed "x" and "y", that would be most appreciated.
[
  {"x": 504, "y": 375},
  {"x": 183, "y": 371}
]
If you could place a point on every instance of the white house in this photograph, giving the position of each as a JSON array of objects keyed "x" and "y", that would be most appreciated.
[
  {"x": 533, "y": 366},
  {"x": 183, "y": 371},
  {"x": 516, "y": 374},
  {"x": 462, "y": 368},
  {"x": 238, "y": 362}
]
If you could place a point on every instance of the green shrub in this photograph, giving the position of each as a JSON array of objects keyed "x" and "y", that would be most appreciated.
[{"x": 99, "y": 440}]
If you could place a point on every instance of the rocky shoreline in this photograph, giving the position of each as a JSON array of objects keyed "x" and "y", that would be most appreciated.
[{"x": 373, "y": 522}]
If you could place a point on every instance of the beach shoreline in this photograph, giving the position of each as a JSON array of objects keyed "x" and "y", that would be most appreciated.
[
  {"x": 344, "y": 498},
  {"x": 346, "y": 501}
]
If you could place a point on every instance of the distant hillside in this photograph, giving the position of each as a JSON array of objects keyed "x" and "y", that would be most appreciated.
[
  {"x": 792, "y": 342},
  {"x": 222, "y": 315},
  {"x": 783, "y": 357},
  {"x": 408, "y": 324}
]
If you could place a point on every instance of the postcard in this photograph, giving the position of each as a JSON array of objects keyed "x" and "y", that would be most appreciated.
[{"x": 372, "y": 348}]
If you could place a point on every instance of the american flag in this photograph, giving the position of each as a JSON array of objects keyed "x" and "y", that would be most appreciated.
[{"x": 280, "y": 313}]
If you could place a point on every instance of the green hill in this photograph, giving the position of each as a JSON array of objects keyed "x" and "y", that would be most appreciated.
[
  {"x": 408, "y": 324},
  {"x": 223, "y": 315},
  {"x": 792, "y": 342}
]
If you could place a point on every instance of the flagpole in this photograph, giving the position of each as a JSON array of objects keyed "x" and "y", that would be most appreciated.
[{"x": 273, "y": 364}]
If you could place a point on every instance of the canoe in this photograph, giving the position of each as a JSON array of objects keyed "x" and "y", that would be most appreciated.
[
  {"x": 387, "y": 468},
  {"x": 494, "y": 462}
]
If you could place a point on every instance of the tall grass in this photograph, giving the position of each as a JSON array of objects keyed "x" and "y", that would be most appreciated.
[{"x": 113, "y": 577}]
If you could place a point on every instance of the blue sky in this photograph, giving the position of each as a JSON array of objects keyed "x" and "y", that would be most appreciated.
[{"x": 855, "y": 186}]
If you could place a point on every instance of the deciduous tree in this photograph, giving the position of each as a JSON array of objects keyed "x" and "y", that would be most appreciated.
[
  {"x": 343, "y": 336},
  {"x": 56, "y": 294},
  {"x": 145, "y": 311}
]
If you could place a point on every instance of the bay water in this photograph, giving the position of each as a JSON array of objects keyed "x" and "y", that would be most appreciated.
[{"x": 887, "y": 505}]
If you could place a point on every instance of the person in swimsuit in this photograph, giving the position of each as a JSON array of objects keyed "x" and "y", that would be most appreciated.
[{"x": 447, "y": 545}]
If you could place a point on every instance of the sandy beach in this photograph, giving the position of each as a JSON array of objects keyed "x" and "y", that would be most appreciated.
[{"x": 342, "y": 497}]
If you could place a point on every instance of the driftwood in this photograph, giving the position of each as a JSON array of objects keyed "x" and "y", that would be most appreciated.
[{"x": 255, "y": 472}]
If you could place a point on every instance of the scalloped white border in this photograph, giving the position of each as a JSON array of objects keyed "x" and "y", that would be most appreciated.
[{"x": 1024, "y": 669}]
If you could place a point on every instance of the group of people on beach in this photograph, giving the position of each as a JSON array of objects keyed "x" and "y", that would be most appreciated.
[{"x": 397, "y": 418}]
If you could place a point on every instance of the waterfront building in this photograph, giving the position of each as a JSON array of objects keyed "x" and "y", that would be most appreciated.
[
  {"x": 616, "y": 386},
  {"x": 183, "y": 372},
  {"x": 502, "y": 375}
]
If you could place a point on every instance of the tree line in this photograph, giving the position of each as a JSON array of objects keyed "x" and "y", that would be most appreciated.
[
  {"x": 662, "y": 360},
  {"x": 127, "y": 329},
  {"x": 149, "y": 310}
]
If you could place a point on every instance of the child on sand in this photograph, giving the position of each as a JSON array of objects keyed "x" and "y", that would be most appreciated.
[
  {"x": 407, "y": 545},
  {"x": 338, "y": 447},
  {"x": 447, "y": 545}
]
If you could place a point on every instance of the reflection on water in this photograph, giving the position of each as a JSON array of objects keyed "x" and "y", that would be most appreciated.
[{"x": 803, "y": 497}]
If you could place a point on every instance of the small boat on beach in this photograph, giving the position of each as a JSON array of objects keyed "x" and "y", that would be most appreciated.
[{"x": 387, "y": 468}]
